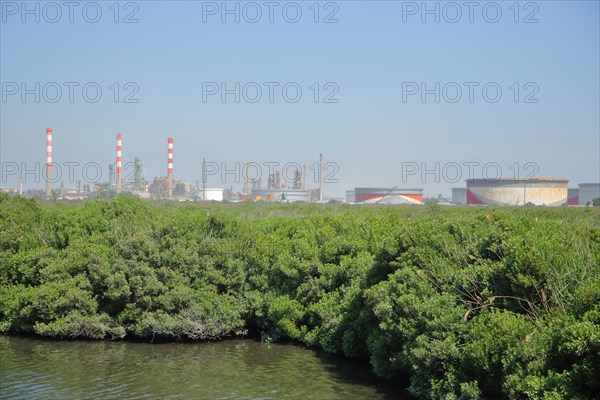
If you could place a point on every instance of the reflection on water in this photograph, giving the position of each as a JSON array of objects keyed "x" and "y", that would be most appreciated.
[{"x": 230, "y": 369}]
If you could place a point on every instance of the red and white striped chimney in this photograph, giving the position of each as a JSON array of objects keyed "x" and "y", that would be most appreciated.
[
  {"x": 119, "y": 163},
  {"x": 48, "y": 161},
  {"x": 170, "y": 169}
]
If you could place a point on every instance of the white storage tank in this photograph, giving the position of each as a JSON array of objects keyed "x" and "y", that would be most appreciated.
[
  {"x": 517, "y": 192},
  {"x": 210, "y": 194}
]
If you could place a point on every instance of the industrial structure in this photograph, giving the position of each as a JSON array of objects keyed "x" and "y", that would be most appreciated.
[
  {"x": 588, "y": 192},
  {"x": 139, "y": 183},
  {"x": 170, "y": 167},
  {"x": 459, "y": 196},
  {"x": 393, "y": 195},
  {"x": 181, "y": 188},
  {"x": 168, "y": 187},
  {"x": 119, "y": 164},
  {"x": 513, "y": 192},
  {"x": 350, "y": 196},
  {"x": 209, "y": 194},
  {"x": 48, "y": 162},
  {"x": 517, "y": 192},
  {"x": 293, "y": 190},
  {"x": 139, "y": 186},
  {"x": 285, "y": 189},
  {"x": 284, "y": 194}
]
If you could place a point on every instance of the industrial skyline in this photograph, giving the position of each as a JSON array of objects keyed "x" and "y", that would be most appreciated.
[
  {"x": 365, "y": 199},
  {"x": 516, "y": 191},
  {"x": 380, "y": 93}
]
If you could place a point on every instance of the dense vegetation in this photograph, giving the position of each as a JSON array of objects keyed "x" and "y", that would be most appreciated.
[{"x": 467, "y": 302}]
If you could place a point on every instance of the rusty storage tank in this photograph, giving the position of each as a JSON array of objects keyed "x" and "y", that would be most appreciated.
[
  {"x": 459, "y": 195},
  {"x": 517, "y": 192},
  {"x": 588, "y": 192},
  {"x": 573, "y": 196},
  {"x": 395, "y": 195}
]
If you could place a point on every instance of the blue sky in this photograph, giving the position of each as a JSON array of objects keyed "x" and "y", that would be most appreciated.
[{"x": 371, "y": 55}]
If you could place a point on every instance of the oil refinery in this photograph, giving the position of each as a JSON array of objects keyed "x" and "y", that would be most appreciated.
[
  {"x": 501, "y": 191},
  {"x": 167, "y": 187}
]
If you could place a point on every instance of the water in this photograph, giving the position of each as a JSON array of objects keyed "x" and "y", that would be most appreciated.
[{"x": 230, "y": 369}]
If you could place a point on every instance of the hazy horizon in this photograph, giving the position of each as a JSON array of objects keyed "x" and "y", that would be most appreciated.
[{"x": 362, "y": 81}]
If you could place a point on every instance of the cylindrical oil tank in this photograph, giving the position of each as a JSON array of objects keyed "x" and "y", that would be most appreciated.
[
  {"x": 588, "y": 192},
  {"x": 459, "y": 195},
  {"x": 363, "y": 194},
  {"x": 517, "y": 192}
]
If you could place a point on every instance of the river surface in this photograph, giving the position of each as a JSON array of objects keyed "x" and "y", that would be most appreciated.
[{"x": 230, "y": 369}]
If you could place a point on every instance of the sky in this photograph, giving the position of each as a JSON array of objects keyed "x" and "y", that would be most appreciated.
[{"x": 393, "y": 93}]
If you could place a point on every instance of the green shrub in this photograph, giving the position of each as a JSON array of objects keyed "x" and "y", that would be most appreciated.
[{"x": 467, "y": 303}]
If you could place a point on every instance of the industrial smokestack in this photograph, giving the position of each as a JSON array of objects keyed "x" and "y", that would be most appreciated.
[
  {"x": 170, "y": 169},
  {"x": 119, "y": 163},
  {"x": 48, "y": 161},
  {"x": 320, "y": 177}
]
